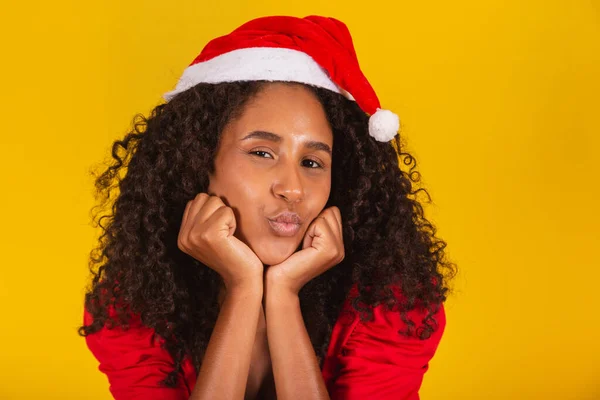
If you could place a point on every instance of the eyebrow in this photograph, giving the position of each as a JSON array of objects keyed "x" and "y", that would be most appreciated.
[{"x": 314, "y": 145}]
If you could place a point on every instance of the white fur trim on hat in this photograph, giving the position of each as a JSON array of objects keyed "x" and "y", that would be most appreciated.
[
  {"x": 384, "y": 125},
  {"x": 257, "y": 63}
]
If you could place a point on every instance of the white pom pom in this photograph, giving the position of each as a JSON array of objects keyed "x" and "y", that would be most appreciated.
[{"x": 384, "y": 125}]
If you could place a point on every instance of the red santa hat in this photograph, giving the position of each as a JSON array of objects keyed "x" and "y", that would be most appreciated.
[{"x": 313, "y": 50}]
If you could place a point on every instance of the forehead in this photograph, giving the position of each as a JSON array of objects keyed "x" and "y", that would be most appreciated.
[{"x": 291, "y": 111}]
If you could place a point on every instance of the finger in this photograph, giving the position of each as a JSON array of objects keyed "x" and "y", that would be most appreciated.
[
  {"x": 195, "y": 206},
  {"x": 331, "y": 234},
  {"x": 186, "y": 213},
  {"x": 190, "y": 212},
  {"x": 182, "y": 227},
  {"x": 318, "y": 232},
  {"x": 338, "y": 216},
  {"x": 332, "y": 221},
  {"x": 223, "y": 219},
  {"x": 212, "y": 204},
  {"x": 310, "y": 232}
]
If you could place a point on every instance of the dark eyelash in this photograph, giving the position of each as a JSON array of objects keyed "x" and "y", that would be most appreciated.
[
  {"x": 266, "y": 152},
  {"x": 260, "y": 151},
  {"x": 316, "y": 162}
]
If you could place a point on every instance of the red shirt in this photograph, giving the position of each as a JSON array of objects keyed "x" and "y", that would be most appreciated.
[{"x": 365, "y": 360}]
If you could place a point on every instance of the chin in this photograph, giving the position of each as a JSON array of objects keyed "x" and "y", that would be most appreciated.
[
  {"x": 268, "y": 258},
  {"x": 272, "y": 254}
]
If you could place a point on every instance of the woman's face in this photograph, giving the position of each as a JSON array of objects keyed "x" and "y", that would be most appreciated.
[{"x": 273, "y": 168}]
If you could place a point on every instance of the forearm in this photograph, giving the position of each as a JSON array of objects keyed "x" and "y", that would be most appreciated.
[
  {"x": 295, "y": 365},
  {"x": 224, "y": 370}
]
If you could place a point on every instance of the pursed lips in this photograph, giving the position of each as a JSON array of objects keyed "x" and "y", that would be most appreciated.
[{"x": 285, "y": 224}]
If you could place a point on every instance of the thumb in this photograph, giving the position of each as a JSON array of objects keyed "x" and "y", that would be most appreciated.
[
  {"x": 224, "y": 221},
  {"x": 308, "y": 236},
  {"x": 314, "y": 234}
]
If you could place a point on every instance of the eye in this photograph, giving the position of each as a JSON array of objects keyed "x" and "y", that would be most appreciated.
[
  {"x": 311, "y": 164},
  {"x": 262, "y": 154}
]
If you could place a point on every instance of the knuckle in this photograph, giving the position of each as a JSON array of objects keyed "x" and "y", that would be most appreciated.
[
  {"x": 334, "y": 254},
  {"x": 181, "y": 245},
  {"x": 202, "y": 237},
  {"x": 341, "y": 254},
  {"x": 223, "y": 211},
  {"x": 201, "y": 197},
  {"x": 215, "y": 200}
]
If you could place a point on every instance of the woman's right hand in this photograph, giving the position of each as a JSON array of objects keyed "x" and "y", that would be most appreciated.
[{"x": 206, "y": 234}]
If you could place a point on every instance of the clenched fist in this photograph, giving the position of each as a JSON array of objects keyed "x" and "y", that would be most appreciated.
[{"x": 206, "y": 234}]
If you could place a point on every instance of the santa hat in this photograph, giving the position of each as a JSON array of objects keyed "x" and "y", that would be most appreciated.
[{"x": 313, "y": 50}]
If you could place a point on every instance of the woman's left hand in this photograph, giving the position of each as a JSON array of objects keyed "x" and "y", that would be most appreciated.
[{"x": 322, "y": 248}]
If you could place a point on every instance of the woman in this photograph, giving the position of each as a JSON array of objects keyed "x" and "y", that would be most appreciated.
[{"x": 265, "y": 242}]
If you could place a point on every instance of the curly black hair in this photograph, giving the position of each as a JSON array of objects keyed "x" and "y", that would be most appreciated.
[{"x": 165, "y": 160}]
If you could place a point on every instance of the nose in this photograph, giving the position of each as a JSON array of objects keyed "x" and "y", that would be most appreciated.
[{"x": 288, "y": 185}]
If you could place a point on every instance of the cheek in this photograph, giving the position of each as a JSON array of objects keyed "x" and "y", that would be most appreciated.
[
  {"x": 248, "y": 202},
  {"x": 244, "y": 196},
  {"x": 232, "y": 184},
  {"x": 318, "y": 197}
]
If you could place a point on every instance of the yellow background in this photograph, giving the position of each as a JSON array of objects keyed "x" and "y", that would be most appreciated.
[{"x": 499, "y": 101}]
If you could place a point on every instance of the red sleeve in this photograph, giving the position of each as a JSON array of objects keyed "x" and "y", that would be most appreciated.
[
  {"x": 134, "y": 363},
  {"x": 378, "y": 363}
]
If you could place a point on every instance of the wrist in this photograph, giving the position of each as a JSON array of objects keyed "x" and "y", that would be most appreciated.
[
  {"x": 245, "y": 288},
  {"x": 277, "y": 293},
  {"x": 276, "y": 282}
]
